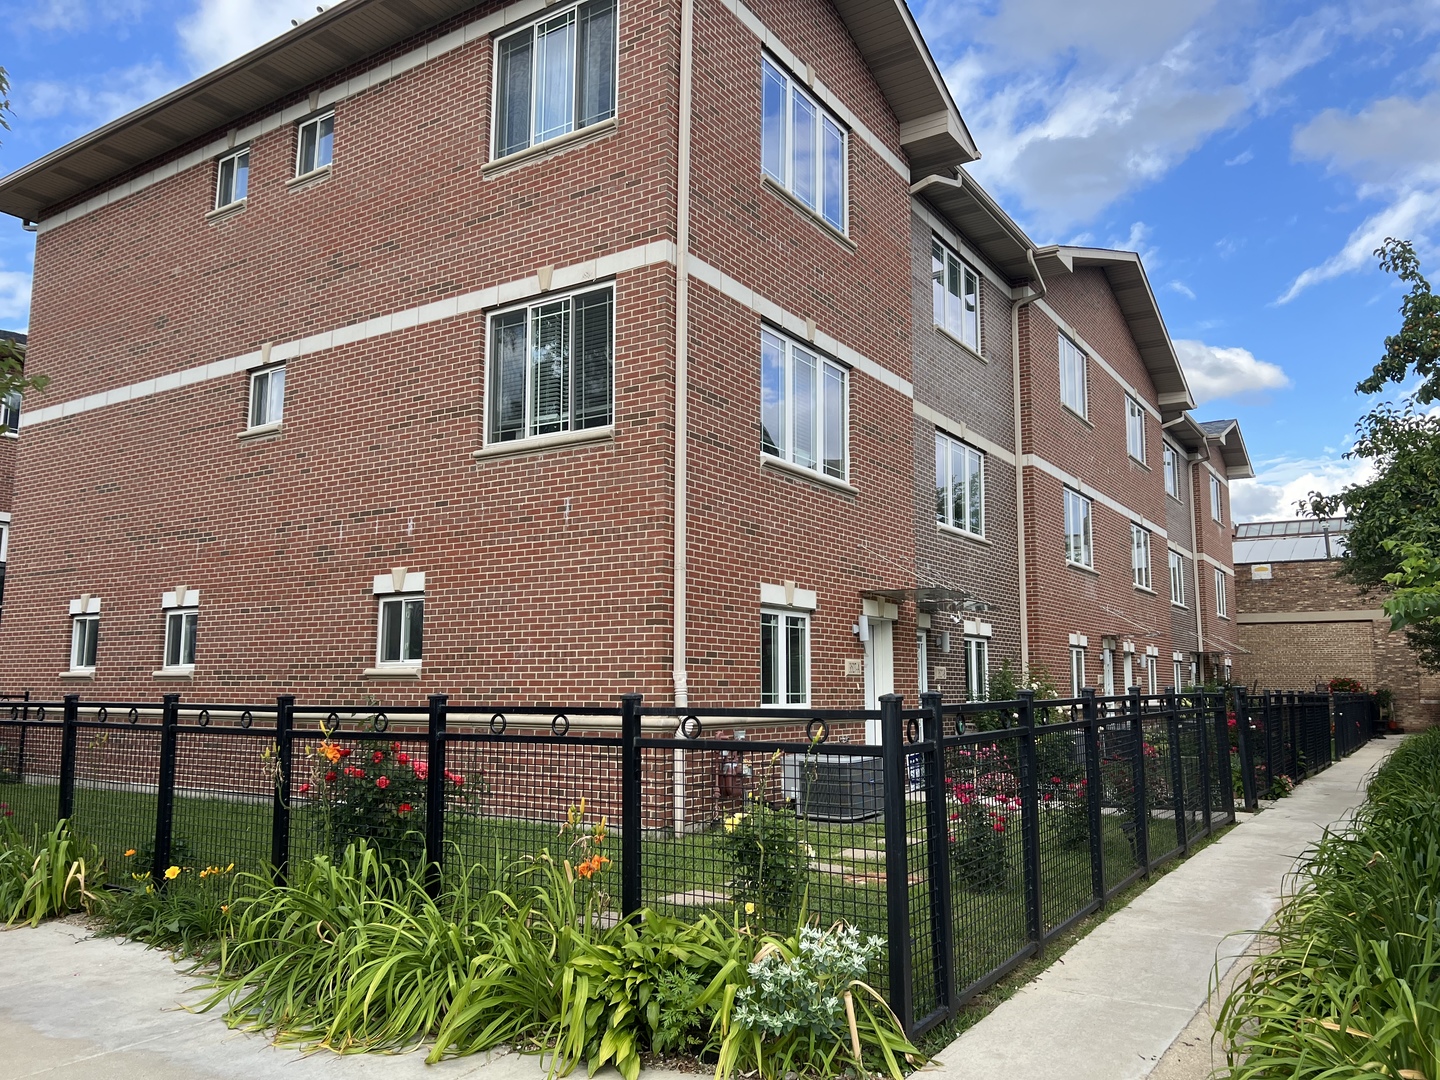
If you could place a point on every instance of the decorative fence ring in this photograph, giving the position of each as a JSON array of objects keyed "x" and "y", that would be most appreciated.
[
  {"x": 959, "y": 725},
  {"x": 14, "y": 712},
  {"x": 497, "y": 724},
  {"x": 102, "y": 714},
  {"x": 40, "y": 713},
  {"x": 817, "y": 731},
  {"x": 912, "y": 730},
  {"x": 246, "y": 719},
  {"x": 560, "y": 725},
  {"x": 333, "y": 721},
  {"x": 690, "y": 727},
  {"x": 134, "y": 715},
  {"x": 204, "y": 718},
  {"x": 381, "y": 722}
]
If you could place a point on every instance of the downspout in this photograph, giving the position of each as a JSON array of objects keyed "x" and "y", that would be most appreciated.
[
  {"x": 1030, "y": 294},
  {"x": 682, "y": 385}
]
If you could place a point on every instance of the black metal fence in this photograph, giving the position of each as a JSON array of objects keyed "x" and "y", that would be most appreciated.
[{"x": 969, "y": 835}]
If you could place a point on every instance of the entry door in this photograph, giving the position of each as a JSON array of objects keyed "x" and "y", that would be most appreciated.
[
  {"x": 1108, "y": 684},
  {"x": 879, "y": 671}
]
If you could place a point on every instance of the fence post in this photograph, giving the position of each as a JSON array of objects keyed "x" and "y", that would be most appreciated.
[
  {"x": 1225, "y": 782},
  {"x": 435, "y": 796},
  {"x": 165, "y": 800},
  {"x": 897, "y": 863},
  {"x": 1142, "y": 794},
  {"x": 24, "y": 727},
  {"x": 67, "y": 756},
  {"x": 280, "y": 810},
  {"x": 1030, "y": 817},
  {"x": 1198, "y": 709},
  {"x": 1094, "y": 790},
  {"x": 1177, "y": 771},
  {"x": 1242, "y": 743},
  {"x": 941, "y": 900},
  {"x": 631, "y": 808}
]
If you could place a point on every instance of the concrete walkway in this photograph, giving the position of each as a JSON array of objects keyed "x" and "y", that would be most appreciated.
[{"x": 1119, "y": 998}]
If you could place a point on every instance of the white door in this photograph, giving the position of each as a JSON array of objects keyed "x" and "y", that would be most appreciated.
[
  {"x": 879, "y": 671},
  {"x": 1129, "y": 671},
  {"x": 1109, "y": 662}
]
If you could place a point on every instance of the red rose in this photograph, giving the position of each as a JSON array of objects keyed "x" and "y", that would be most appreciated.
[
  {"x": 457, "y": 779},
  {"x": 422, "y": 770},
  {"x": 383, "y": 783},
  {"x": 330, "y": 776},
  {"x": 378, "y": 756},
  {"x": 405, "y": 808},
  {"x": 345, "y": 751},
  {"x": 403, "y": 759},
  {"x": 999, "y": 826},
  {"x": 304, "y": 788}
]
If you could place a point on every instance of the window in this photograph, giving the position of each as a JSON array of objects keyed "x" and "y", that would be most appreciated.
[
  {"x": 267, "y": 396},
  {"x": 1172, "y": 472},
  {"x": 1077, "y": 670},
  {"x": 1140, "y": 555},
  {"x": 180, "y": 637},
  {"x": 551, "y": 366},
  {"x": 922, "y": 660},
  {"x": 4, "y": 553},
  {"x": 10, "y": 411},
  {"x": 802, "y": 406},
  {"x": 1078, "y": 548},
  {"x": 1177, "y": 579},
  {"x": 1072, "y": 377},
  {"x": 315, "y": 145},
  {"x": 1152, "y": 674},
  {"x": 1135, "y": 429},
  {"x": 1107, "y": 671},
  {"x": 957, "y": 295},
  {"x": 555, "y": 76},
  {"x": 1217, "y": 510},
  {"x": 84, "y": 635},
  {"x": 802, "y": 145},
  {"x": 977, "y": 669},
  {"x": 1220, "y": 593},
  {"x": 1179, "y": 674},
  {"x": 959, "y": 485},
  {"x": 402, "y": 621},
  {"x": 233, "y": 178},
  {"x": 784, "y": 658}
]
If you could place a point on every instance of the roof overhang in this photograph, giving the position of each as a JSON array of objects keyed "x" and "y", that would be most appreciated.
[
  {"x": 1226, "y": 436},
  {"x": 970, "y": 209},
  {"x": 1131, "y": 287},
  {"x": 322, "y": 45},
  {"x": 932, "y": 133},
  {"x": 1184, "y": 430}
]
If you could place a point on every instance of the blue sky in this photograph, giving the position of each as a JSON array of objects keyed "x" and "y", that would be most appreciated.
[{"x": 1254, "y": 153}]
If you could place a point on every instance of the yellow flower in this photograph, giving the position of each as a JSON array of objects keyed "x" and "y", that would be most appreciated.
[
  {"x": 172, "y": 873},
  {"x": 129, "y": 852},
  {"x": 224, "y": 907},
  {"x": 749, "y": 908}
]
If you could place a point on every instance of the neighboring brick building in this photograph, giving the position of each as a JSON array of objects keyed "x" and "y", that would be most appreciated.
[
  {"x": 1300, "y": 625},
  {"x": 9, "y": 435},
  {"x": 603, "y": 386}
]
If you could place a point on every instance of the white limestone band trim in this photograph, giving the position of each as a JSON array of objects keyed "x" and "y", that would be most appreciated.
[
  {"x": 979, "y": 629},
  {"x": 788, "y": 596},
  {"x": 1094, "y": 354},
  {"x": 1181, "y": 550},
  {"x": 180, "y": 598},
  {"x": 86, "y": 605},
  {"x": 960, "y": 430},
  {"x": 399, "y": 580},
  {"x": 1224, "y": 480},
  {"x": 1036, "y": 462},
  {"x": 1217, "y": 564},
  {"x": 1366, "y": 615}
]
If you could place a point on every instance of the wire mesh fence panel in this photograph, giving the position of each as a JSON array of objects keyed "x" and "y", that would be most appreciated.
[
  {"x": 927, "y": 902},
  {"x": 1161, "y": 777},
  {"x": 117, "y": 776},
  {"x": 1067, "y": 884},
  {"x": 29, "y": 775},
  {"x": 1120, "y": 850},
  {"x": 223, "y": 811},
  {"x": 1193, "y": 769}
]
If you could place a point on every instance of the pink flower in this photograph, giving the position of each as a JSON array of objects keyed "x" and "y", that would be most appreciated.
[
  {"x": 403, "y": 759},
  {"x": 999, "y": 824},
  {"x": 966, "y": 800},
  {"x": 383, "y": 783},
  {"x": 378, "y": 756},
  {"x": 422, "y": 770}
]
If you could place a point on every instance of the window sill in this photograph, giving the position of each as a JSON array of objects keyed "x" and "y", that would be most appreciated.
[
  {"x": 769, "y": 461},
  {"x": 1078, "y": 416},
  {"x": 76, "y": 676},
  {"x": 968, "y": 348},
  {"x": 173, "y": 673},
  {"x": 1138, "y": 461},
  {"x": 550, "y": 146},
  {"x": 1146, "y": 589},
  {"x": 220, "y": 213},
  {"x": 261, "y": 430},
  {"x": 814, "y": 216},
  {"x": 304, "y": 180},
  {"x": 1179, "y": 607},
  {"x": 9, "y": 433},
  {"x": 965, "y": 534},
  {"x": 539, "y": 444},
  {"x": 1082, "y": 568},
  {"x": 393, "y": 671}
]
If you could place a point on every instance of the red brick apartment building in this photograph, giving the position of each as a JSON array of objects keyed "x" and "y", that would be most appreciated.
[
  {"x": 9, "y": 436},
  {"x": 540, "y": 352}
]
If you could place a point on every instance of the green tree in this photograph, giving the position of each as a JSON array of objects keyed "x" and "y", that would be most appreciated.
[
  {"x": 13, "y": 379},
  {"x": 1417, "y": 346}
]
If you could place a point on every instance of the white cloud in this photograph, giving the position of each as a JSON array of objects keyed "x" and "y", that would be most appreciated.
[
  {"x": 1181, "y": 288},
  {"x": 1280, "y": 483},
  {"x": 83, "y": 105},
  {"x": 1214, "y": 372},
  {"x": 69, "y": 16},
  {"x": 1242, "y": 158},
  {"x": 14, "y": 299},
  {"x": 1408, "y": 217},
  {"x": 218, "y": 31}
]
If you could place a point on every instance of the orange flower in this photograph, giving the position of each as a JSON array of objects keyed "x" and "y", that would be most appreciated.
[{"x": 591, "y": 866}]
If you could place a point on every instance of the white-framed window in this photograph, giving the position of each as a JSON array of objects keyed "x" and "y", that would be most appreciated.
[
  {"x": 267, "y": 396},
  {"x": 1077, "y": 669},
  {"x": 1220, "y": 605},
  {"x": 84, "y": 637},
  {"x": 555, "y": 75},
  {"x": 803, "y": 406},
  {"x": 922, "y": 659},
  {"x": 1135, "y": 429},
  {"x": 802, "y": 144},
  {"x": 1073, "y": 391},
  {"x": 784, "y": 657},
  {"x": 1177, "y": 579},
  {"x": 10, "y": 411},
  {"x": 402, "y": 629},
  {"x": 956, "y": 288},
  {"x": 4, "y": 543},
  {"x": 1152, "y": 674},
  {"x": 1129, "y": 671},
  {"x": 1217, "y": 508},
  {"x": 1079, "y": 549},
  {"x": 552, "y": 366},
  {"x": 232, "y": 178},
  {"x": 977, "y": 669},
  {"x": 1172, "y": 472},
  {"x": 1140, "y": 555},
  {"x": 1179, "y": 674},
  {"x": 959, "y": 485},
  {"x": 315, "y": 144},
  {"x": 180, "y": 625},
  {"x": 1107, "y": 672}
]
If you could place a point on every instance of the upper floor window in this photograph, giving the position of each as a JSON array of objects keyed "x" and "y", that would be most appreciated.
[
  {"x": 1140, "y": 555},
  {"x": 402, "y": 622},
  {"x": 1172, "y": 472},
  {"x": 555, "y": 76},
  {"x": 180, "y": 637},
  {"x": 802, "y": 145},
  {"x": 1072, "y": 377},
  {"x": 1220, "y": 605},
  {"x": 956, "y": 289},
  {"x": 1177, "y": 580},
  {"x": 1079, "y": 549},
  {"x": 802, "y": 406},
  {"x": 232, "y": 181},
  {"x": 551, "y": 366},
  {"x": 959, "y": 485},
  {"x": 784, "y": 658},
  {"x": 1135, "y": 429},
  {"x": 267, "y": 396},
  {"x": 1217, "y": 508},
  {"x": 315, "y": 145},
  {"x": 10, "y": 411}
]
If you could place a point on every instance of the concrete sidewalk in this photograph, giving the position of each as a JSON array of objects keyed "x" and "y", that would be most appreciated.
[{"x": 1116, "y": 1001}]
